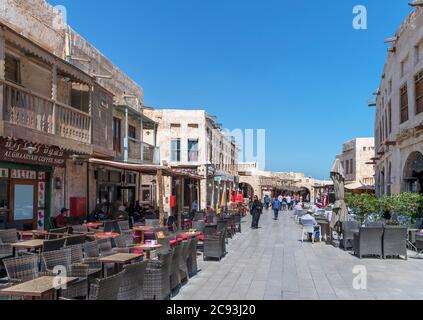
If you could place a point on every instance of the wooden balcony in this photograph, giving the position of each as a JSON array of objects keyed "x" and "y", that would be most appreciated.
[
  {"x": 41, "y": 115},
  {"x": 150, "y": 154}
]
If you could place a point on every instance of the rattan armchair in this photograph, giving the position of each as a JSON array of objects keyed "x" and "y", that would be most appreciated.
[
  {"x": 133, "y": 281},
  {"x": 107, "y": 288},
  {"x": 368, "y": 242},
  {"x": 348, "y": 229},
  {"x": 54, "y": 245},
  {"x": 394, "y": 242},
  {"x": 157, "y": 278},
  {"x": 105, "y": 246},
  {"x": 57, "y": 262},
  {"x": 192, "y": 258},
  {"x": 214, "y": 245},
  {"x": 175, "y": 274},
  {"x": 183, "y": 267},
  {"x": 7, "y": 238}
]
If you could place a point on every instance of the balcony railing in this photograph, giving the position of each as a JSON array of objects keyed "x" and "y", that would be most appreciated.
[
  {"x": 27, "y": 109},
  {"x": 150, "y": 154}
]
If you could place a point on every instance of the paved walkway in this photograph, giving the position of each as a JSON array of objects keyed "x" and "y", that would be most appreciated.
[{"x": 271, "y": 264}]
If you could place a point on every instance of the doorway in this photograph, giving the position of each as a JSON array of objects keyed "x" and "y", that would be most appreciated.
[{"x": 23, "y": 200}]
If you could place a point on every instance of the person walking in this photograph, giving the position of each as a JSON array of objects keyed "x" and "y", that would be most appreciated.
[
  {"x": 284, "y": 204},
  {"x": 289, "y": 202},
  {"x": 257, "y": 208},
  {"x": 267, "y": 201},
  {"x": 276, "y": 206}
]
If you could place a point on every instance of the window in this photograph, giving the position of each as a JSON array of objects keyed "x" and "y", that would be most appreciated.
[
  {"x": 12, "y": 69},
  {"x": 419, "y": 92},
  {"x": 403, "y": 104},
  {"x": 175, "y": 150},
  {"x": 192, "y": 150},
  {"x": 175, "y": 125},
  {"x": 347, "y": 168},
  {"x": 116, "y": 135},
  {"x": 193, "y": 125},
  {"x": 132, "y": 132},
  {"x": 80, "y": 97},
  {"x": 389, "y": 117},
  {"x": 390, "y": 87}
]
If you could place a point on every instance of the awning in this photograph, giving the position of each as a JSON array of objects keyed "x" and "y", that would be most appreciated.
[
  {"x": 359, "y": 186},
  {"x": 144, "y": 168}
]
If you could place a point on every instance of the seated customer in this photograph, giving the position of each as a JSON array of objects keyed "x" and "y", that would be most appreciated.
[
  {"x": 61, "y": 220},
  {"x": 308, "y": 219}
]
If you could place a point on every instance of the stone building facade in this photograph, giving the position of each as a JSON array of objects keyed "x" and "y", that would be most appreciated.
[
  {"x": 356, "y": 159},
  {"x": 191, "y": 140},
  {"x": 399, "y": 111},
  {"x": 109, "y": 118}
]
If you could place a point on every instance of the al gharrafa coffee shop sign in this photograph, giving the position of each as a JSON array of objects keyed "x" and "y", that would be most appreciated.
[{"x": 25, "y": 152}]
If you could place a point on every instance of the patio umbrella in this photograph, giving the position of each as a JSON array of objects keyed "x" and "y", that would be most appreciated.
[{"x": 340, "y": 211}]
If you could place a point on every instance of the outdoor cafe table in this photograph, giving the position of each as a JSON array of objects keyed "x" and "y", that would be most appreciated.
[
  {"x": 147, "y": 248},
  {"x": 39, "y": 287},
  {"x": 29, "y": 245},
  {"x": 325, "y": 229},
  {"x": 143, "y": 229},
  {"x": 119, "y": 259},
  {"x": 32, "y": 233},
  {"x": 93, "y": 225},
  {"x": 106, "y": 235}
]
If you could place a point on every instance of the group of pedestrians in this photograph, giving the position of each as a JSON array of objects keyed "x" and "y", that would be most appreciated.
[{"x": 281, "y": 203}]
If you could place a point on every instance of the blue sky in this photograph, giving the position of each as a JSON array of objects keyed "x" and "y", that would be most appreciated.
[{"x": 295, "y": 68}]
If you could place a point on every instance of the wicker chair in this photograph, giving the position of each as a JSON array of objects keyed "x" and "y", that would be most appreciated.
[
  {"x": 121, "y": 245},
  {"x": 92, "y": 270},
  {"x": 183, "y": 266},
  {"x": 157, "y": 278},
  {"x": 214, "y": 245},
  {"x": 348, "y": 228},
  {"x": 133, "y": 281},
  {"x": 395, "y": 242},
  {"x": 175, "y": 274},
  {"x": 79, "y": 229},
  {"x": 106, "y": 289},
  {"x": 57, "y": 233},
  {"x": 192, "y": 258},
  {"x": 74, "y": 240},
  {"x": 21, "y": 269},
  {"x": 7, "y": 238},
  {"x": 368, "y": 242},
  {"x": 92, "y": 254},
  {"x": 63, "y": 259},
  {"x": 54, "y": 245},
  {"x": 105, "y": 246},
  {"x": 375, "y": 224},
  {"x": 152, "y": 222},
  {"x": 123, "y": 225},
  {"x": 237, "y": 222}
]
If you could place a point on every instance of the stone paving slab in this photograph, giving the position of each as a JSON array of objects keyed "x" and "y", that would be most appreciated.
[{"x": 271, "y": 263}]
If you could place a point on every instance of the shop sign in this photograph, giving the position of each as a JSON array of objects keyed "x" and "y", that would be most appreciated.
[{"x": 20, "y": 151}]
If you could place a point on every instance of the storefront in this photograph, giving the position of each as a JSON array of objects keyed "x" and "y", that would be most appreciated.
[
  {"x": 115, "y": 186},
  {"x": 26, "y": 172}
]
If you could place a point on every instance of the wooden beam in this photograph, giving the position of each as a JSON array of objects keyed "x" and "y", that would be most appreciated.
[{"x": 161, "y": 193}]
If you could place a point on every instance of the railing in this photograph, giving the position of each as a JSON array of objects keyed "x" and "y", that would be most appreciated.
[
  {"x": 134, "y": 149},
  {"x": 150, "y": 154},
  {"x": 73, "y": 124},
  {"x": 27, "y": 109}
]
